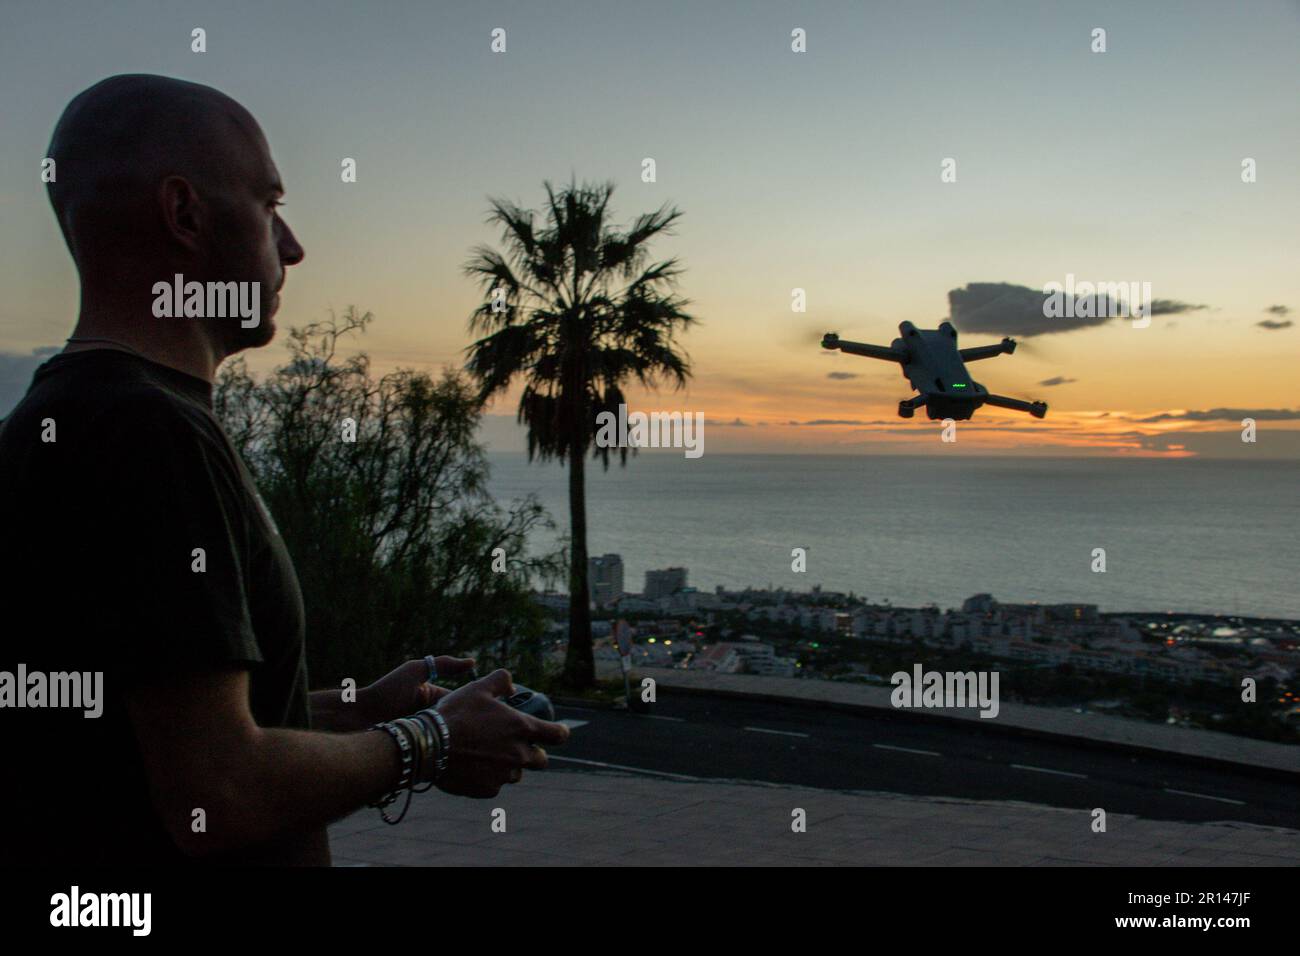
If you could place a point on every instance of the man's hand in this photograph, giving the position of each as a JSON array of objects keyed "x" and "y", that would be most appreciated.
[
  {"x": 491, "y": 742},
  {"x": 403, "y": 691}
]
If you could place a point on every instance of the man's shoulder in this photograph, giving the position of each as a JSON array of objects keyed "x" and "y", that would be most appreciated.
[
  {"x": 65, "y": 423},
  {"x": 134, "y": 428},
  {"x": 90, "y": 396},
  {"x": 142, "y": 404},
  {"x": 157, "y": 435}
]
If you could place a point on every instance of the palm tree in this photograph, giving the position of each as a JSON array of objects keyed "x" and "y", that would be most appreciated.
[{"x": 574, "y": 307}]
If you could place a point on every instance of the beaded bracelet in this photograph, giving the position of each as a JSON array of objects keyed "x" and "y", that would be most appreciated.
[
  {"x": 419, "y": 746},
  {"x": 408, "y": 755},
  {"x": 422, "y": 739},
  {"x": 444, "y": 736},
  {"x": 433, "y": 752}
]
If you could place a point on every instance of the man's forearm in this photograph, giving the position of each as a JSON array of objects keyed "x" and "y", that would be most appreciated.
[
  {"x": 294, "y": 781},
  {"x": 329, "y": 711}
]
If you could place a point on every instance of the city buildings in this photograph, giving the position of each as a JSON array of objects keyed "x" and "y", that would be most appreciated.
[
  {"x": 749, "y": 655},
  {"x": 664, "y": 583},
  {"x": 605, "y": 578},
  {"x": 1186, "y": 649}
]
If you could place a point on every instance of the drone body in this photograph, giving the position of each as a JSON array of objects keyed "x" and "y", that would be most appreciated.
[{"x": 936, "y": 368}]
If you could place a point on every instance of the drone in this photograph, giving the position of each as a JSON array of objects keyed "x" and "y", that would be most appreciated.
[{"x": 936, "y": 368}]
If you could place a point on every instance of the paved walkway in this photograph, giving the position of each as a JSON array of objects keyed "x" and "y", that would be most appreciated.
[{"x": 577, "y": 818}]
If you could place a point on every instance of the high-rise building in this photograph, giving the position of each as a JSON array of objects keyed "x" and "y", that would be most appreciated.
[
  {"x": 605, "y": 578},
  {"x": 979, "y": 604},
  {"x": 663, "y": 583}
]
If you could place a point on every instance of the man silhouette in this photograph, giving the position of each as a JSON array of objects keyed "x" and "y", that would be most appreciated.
[{"x": 137, "y": 547}]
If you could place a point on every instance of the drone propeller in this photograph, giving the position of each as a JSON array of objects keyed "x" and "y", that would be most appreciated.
[
  {"x": 1032, "y": 347},
  {"x": 865, "y": 327}
]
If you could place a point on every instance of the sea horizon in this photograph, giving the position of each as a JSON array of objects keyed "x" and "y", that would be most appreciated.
[{"x": 1190, "y": 535}]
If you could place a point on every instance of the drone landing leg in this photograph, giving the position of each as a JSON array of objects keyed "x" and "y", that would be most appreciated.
[{"x": 908, "y": 406}]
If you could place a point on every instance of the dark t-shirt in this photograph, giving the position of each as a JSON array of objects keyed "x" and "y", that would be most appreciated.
[{"x": 99, "y": 572}]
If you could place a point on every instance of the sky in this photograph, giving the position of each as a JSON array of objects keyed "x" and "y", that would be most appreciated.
[{"x": 818, "y": 170}]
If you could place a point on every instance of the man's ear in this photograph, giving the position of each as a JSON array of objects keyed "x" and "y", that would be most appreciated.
[{"x": 185, "y": 215}]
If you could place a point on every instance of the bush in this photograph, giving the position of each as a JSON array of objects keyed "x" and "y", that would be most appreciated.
[{"x": 392, "y": 533}]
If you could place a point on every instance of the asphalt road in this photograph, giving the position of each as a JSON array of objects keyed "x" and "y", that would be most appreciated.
[{"x": 721, "y": 738}]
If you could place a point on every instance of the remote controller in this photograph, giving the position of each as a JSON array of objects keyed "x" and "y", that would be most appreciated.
[{"x": 531, "y": 702}]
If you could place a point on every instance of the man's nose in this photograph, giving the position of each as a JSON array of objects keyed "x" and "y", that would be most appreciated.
[{"x": 291, "y": 253}]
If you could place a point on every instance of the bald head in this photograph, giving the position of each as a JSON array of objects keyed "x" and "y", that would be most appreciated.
[
  {"x": 155, "y": 175},
  {"x": 119, "y": 139}
]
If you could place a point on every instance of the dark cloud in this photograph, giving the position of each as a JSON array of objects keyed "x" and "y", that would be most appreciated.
[
  {"x": 842, "y": 376},
  {"x": 1173, "y": 307},
  {"x": 1057, "y": 380},
  {"x": 16, "y": 374},
  {"x": 1279, "y": 443},
  {"x": 1001, "y": 308},
  {"x": 1225, "y": 415},
  {"x": 1278, "y": 310},
  {"x": 1273, "y": 324},
  {"x": 836, "y": 421},
  {"x": 1170, "y": 442}
]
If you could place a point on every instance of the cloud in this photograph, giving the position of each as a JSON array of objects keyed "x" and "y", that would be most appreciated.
[
  {"x": 1057, "y": 380},
  {"x": 837, "y": 421},
  {"x": 1281, "y": 444},
  {"x": 1278, "y": 310},
  {"x": 735, "y": 423},
  {"x": 1173, "y": 307},
  {"x": 845, "y": 376},
  {"x": 1225, "y": 415},
  {"x": 16, "y": 374},
  {"x": 1273, "y": 324},
  {"x": 1001, "y": 308}
]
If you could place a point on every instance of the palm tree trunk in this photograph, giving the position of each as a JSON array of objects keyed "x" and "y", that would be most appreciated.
[{"x": 579, "y": 667}]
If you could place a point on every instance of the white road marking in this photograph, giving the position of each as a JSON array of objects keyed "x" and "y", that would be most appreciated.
[
  {"x": 783, "y": 733},
  {"x": 619, "y": 766},
  {"x": 1059, "y": 773},
  {"x": 1205, "y": 796},
  {"x": 907, "y": 750},
  {"x": 676, "y": 720},
  {"x": 573, "y": 724}
]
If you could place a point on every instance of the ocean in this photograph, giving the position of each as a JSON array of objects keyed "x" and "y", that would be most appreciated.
[{"x": 1205, "y": 536}]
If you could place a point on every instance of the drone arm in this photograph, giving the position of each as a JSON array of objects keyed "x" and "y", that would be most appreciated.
[
  {"x": 870, "y": 351},
  {"x": 1037, "y": 409},
  {"x": 1005, "y": 347}
]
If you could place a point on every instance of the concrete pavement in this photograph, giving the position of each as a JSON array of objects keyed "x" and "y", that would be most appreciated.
[{"x": 568, "y": 817}]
